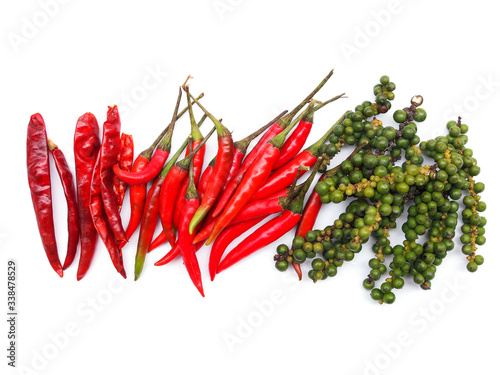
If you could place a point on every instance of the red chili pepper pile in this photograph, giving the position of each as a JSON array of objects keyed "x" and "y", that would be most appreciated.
[{"x": 235, "y": 192}]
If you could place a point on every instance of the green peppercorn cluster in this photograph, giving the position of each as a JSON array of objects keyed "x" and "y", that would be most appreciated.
[{"x": 380, "y": 191}]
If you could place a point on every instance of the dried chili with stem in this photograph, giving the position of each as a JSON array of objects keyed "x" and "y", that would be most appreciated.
[
  {"x": 110, "y": 150},
  {"x": 86, "y": 149},
  {"x": 125, "y": 161},
  {"x": 100, "y": 221},
  {"x": 171, "y": 187},
  {"x": 151, "y": 212},
  {"x": 271, "y": 230},
  {"x": 253, "y": 179},
  {"x": 68, "y": 185},
  {"x": 283, "y": 177},
  {"x": 220, "y": 170},
  {"x": 40, "y": 187},
  {"x": 274, "y": 130},
  {"x": 157, "y": 161}
]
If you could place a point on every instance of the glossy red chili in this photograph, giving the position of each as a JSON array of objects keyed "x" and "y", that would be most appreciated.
[
  {"x": 125, "y": 160},
  {"x": 41, "y": 191},
  {"x": 205, "y": 176},
  {"x": 86, "y": 149},
  {"x": 68, "y": 185}
]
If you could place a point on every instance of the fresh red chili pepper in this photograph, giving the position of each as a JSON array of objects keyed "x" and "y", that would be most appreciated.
[
  {"x": 174, "y": 253},
  {"x": 284, "y": 176},
  {"x": 160, "y": 156},
  {"x": 110, "y": 150},
  {"x": 202, "y": 185},
  {"x": 68, "y": 185},
  {"x": 255, "y": 177},
  {"x": 41, "y": 191},
  {"x": 86, "y": 149},
  {"x": 271, "y": 230},
  {"x": 138, "y": 192},
  {"x": 151, "y": 212},
  {"x": 185, "y": 241},
  {"x": 274, "y": 130},
  {"x": 170, "y": 190},
  {"x": 220, "y": 171},
  {"x": 100, "y": 221},
  {"x": 299, "y": 136},
  {"x": 125, "y": 160},
  {"x": 198, "y": 160},
  {"x": 227, "y": 236}
]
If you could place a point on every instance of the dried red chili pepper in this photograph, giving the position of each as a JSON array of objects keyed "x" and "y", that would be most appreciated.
[
  {"x": 283, "y": 177},
  {"x": 227, "y": 236},
  {"x": 41, "y": 191},
  {"x": 274, "y": 130},
  {"x": 86, "y": 149},
  {"x": 125, "y": 160},
  {"x": 255, "y": 177},
  {"x": 100, "y": 221},
  {"x": 138, "y": 192},
  {"x": 271, "y": 230},
  {"x": 151, "y": 212},
  {"x": 68, "y": 185},
  {"x": 220, "y": 171},
  {"x": 170, "y": 190},
  {"x": 160, "y": 156},
  {"x": 185, "y": 241},
  {"x": 110, "y": 150}
]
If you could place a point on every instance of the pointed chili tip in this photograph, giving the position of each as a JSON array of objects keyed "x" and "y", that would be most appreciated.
[
  {"x": 200, "y": 289},
  {"x": 136, "y": 277},
  {"x": 60, "y": 272},
  {"x": 212, "y": 277},
  {"x": 79, "y": 277}
]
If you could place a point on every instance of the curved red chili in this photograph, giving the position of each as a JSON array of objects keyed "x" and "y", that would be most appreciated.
[
  {"x": 100, "y": 223},
  {"x": 170, "y": 190},
  {"x": 151, "y": 170},
  {"x": 220, "y": 171},
  {"x": 86, "y": 149},
  {"x": 41, "y": 192},
  {"x": 138, "y": 192},
  {"x": 227, "y": 236},
  {"x": 68, "y": 185},
  {"x": 125, "y": 160},
  {"x": 185, "y": 241},
  {"x": 284, "y": 176},
  {"x": 255, "y": 177},
  {"x": 110, "y": 150},
  {"x": 271, "y": 230},
  {"x": 174, "y": 253}
]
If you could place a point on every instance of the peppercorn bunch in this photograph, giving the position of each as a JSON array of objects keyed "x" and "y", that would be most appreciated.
[{"x": 380, "y": 190}]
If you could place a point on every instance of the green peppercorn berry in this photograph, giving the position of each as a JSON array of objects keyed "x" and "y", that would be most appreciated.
[
  {"x": 386, "y": 287},
  {"x": 311, "y": 274},
  {"x": 318, "y": 264},
  {"x": 298, "y": 242},
  {"x": 384, "y": 80},
  {"x": 282, "y": 249},
  {"x": 281, "y": 265},
  {"x": 331, "y": 149},
  {"x": 398, "y": 283},
  {"x": 420, "y": 115},
  {"x": 322, "y": 188},
  {"x": 399, "y": 116},
  {"x": 331, "y": 270},
  {"x": 389, "y": 298},
  {"x": 479, "y": 259},
  {"x": 376, "y": 294},
  {"x": 472, "y": 266},
  {"x": 299, "y": 255},
  {"x": 368, "y": 284},
  {"x": 311, "y": 236}
]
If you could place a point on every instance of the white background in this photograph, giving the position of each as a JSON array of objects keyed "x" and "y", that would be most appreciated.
[{"x": 252, "y": 59}]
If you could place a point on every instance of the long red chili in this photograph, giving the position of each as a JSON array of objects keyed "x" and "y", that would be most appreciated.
[
  {"x": 151, "y": 212},
  {"x": 255, "y": 177},
  {"x": 86, "y": 149},
  {"x": 202, "y": 185},
  {"x": 271, "y": 230},
  {"x": 110, "y": 150},
  {"x": 220, "y": 171},
  {"x": 100, "y": 221},
  {"x": 298, "y": 138},
  {"x": 138, "y": 192},
  {"x": 185, "y": 241},
  {"x": 284, "y": 176},
  {"x": 125, "y": 160},
  {"x": 274, "y": 130},
  {"x": 151, "y": 170},
  {"x": 68, "y": 185},
  {"x": 41, "y": 191},
  {"x": 227, "y": 236},
  {"x": 198, "y": 160},
  {"x": 170, "y": 190}
]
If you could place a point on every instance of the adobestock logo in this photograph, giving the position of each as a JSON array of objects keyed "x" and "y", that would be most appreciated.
[
  {"x": 31, "y": 26},
  {"x": 364, "y": 36}
]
